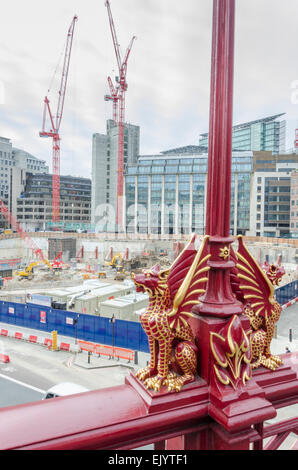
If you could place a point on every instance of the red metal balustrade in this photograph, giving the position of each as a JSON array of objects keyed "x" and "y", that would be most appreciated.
[{"x": 128, "y": 416}]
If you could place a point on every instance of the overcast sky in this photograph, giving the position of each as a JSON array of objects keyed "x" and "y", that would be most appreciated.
[{"x": 168, "y": 70}]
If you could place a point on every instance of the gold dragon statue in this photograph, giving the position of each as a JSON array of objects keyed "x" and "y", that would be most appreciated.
[
  {"x": 172, "y": 294},
  {"x": 256, "y": 291}
]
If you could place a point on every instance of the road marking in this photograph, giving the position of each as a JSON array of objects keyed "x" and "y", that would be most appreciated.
[{"x": 22, "y": 383}]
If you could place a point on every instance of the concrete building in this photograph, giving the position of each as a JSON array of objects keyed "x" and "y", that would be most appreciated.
[
  {"x": 294, "y": 204},
  {"x": 271, "y": 200},
  {"x": 14, "y": 160},
  {"x": 104, "y": 166},
  {"x": 270, "y": 204},
  {"x": 34, "y": 204},
  {"x": 267, "y": 134}
]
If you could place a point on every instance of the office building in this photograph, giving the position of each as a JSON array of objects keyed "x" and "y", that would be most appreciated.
[
  {"x": 166, "y": 193},
  {"x": 105, "y": 164},
  {"x": 267, "y": 134},
  {"x": 18, "y": 161},
  {"x": 294, "y": 204},
  {"x": 34, "y": 204},
  {"x": 271, "y": 200}
]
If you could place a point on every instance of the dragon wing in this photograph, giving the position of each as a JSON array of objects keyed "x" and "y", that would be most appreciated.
[
  {"x": 180, "y": 267},
  {"x": 193, "y": 284},
  {"x": 257, "y": 289}
]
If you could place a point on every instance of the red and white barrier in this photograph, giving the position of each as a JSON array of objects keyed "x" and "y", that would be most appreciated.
[
  {"x": 288, "y": 304},
  {"x": 4, "y": 358},
  {"x": 34, "y": 339}
]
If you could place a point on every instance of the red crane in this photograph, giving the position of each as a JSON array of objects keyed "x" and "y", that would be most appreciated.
[
  {"x": 55, "y": 122},
  {"x": 118, "y": 97}
]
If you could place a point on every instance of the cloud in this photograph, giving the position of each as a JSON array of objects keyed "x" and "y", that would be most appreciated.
[{"x": 168, "y": 70}]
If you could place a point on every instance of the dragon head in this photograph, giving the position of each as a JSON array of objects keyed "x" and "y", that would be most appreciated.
[
  {"x": 153, "y": 281},
  {"x": 274, "y": 272}
]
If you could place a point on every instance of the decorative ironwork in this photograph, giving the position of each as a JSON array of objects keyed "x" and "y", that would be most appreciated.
[
  {"x": 260, "y": 306},
  {"x": 224, "y": 252},
  {"x": 172, "y": 294},
  {"x": 232, "y": 353}
]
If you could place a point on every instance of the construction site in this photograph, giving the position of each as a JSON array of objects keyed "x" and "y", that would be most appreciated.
[{"x": 87, "y": 274}]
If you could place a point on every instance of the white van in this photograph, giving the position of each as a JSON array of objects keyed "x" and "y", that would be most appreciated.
[{"x": 63, "y": 389}]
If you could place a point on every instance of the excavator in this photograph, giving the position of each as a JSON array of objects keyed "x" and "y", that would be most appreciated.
[
  {"x": 28, "y": 271},
  {"x": 115, "y": 261}
]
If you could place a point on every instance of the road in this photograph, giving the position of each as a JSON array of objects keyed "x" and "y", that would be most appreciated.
[
  {"x": 39, "y": 369},
  {"x": 14, "y": 392}
]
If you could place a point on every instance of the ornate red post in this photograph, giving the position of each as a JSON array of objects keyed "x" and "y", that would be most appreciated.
[
  {"x": 202, "y": 343},
  {"x": 219, "y": 300},
  {"x": 236, "y": 402}
]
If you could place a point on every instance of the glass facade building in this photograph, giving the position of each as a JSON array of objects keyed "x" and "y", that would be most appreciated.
[
  {"x": 267, "y": 134},
  {"x": 166, "y": 194}
]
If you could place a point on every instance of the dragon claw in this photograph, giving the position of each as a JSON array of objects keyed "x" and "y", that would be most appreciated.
[
  {"x": 154, "y": 383},
  {"x": 271, "y": 362},
  {"x": 277, "y": 360},
  {"x": 145, "y": 373}
]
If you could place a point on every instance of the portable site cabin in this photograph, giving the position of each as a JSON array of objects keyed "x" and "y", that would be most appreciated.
[
  {"x": 124, "y": 308},
  {"x": 90, "y": 302}
]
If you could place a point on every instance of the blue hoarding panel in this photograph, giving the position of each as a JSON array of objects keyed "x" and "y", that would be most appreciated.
[{"x": 122, "y": 333}]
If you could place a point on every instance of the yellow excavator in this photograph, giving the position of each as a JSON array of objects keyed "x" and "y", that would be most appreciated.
[
  {"x": 27, "y": 273},
  {"x": 115, "y": 261}
]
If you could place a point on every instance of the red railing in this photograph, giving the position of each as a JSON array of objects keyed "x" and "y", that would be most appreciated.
[
  {"x": 112, "y": 418},
  {"x": 127, "y": 417}
]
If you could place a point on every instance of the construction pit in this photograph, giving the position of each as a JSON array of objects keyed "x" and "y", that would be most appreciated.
[
  {"x": 92, "y": 276},
  {"x": 96, "y": 285}
]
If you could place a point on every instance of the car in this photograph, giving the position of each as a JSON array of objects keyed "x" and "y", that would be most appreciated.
[{"x": 64, "y": 389}]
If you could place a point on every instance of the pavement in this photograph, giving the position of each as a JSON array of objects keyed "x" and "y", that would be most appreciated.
[{"x": 81, "y": 357}]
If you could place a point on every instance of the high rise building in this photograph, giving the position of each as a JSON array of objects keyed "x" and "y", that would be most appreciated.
[
  {"x": 267, "y": 134},
  {"x": 105, "y": 165}
]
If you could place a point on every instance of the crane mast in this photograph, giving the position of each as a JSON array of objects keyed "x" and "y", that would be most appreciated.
[
  {"x": 55, "y": 122},
  {"x": 118, "y": 97}
]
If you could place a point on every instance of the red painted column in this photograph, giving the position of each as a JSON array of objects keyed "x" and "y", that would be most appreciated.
[
  {"x": 235, "y": 400},
  {"x": 219, "y": 300},
  {"x": 220, "y": 119}
]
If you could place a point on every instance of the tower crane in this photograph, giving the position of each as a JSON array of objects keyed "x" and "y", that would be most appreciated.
[
  {"x": 55, "y": 122},
  {"x": 118, "y": 97}
]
